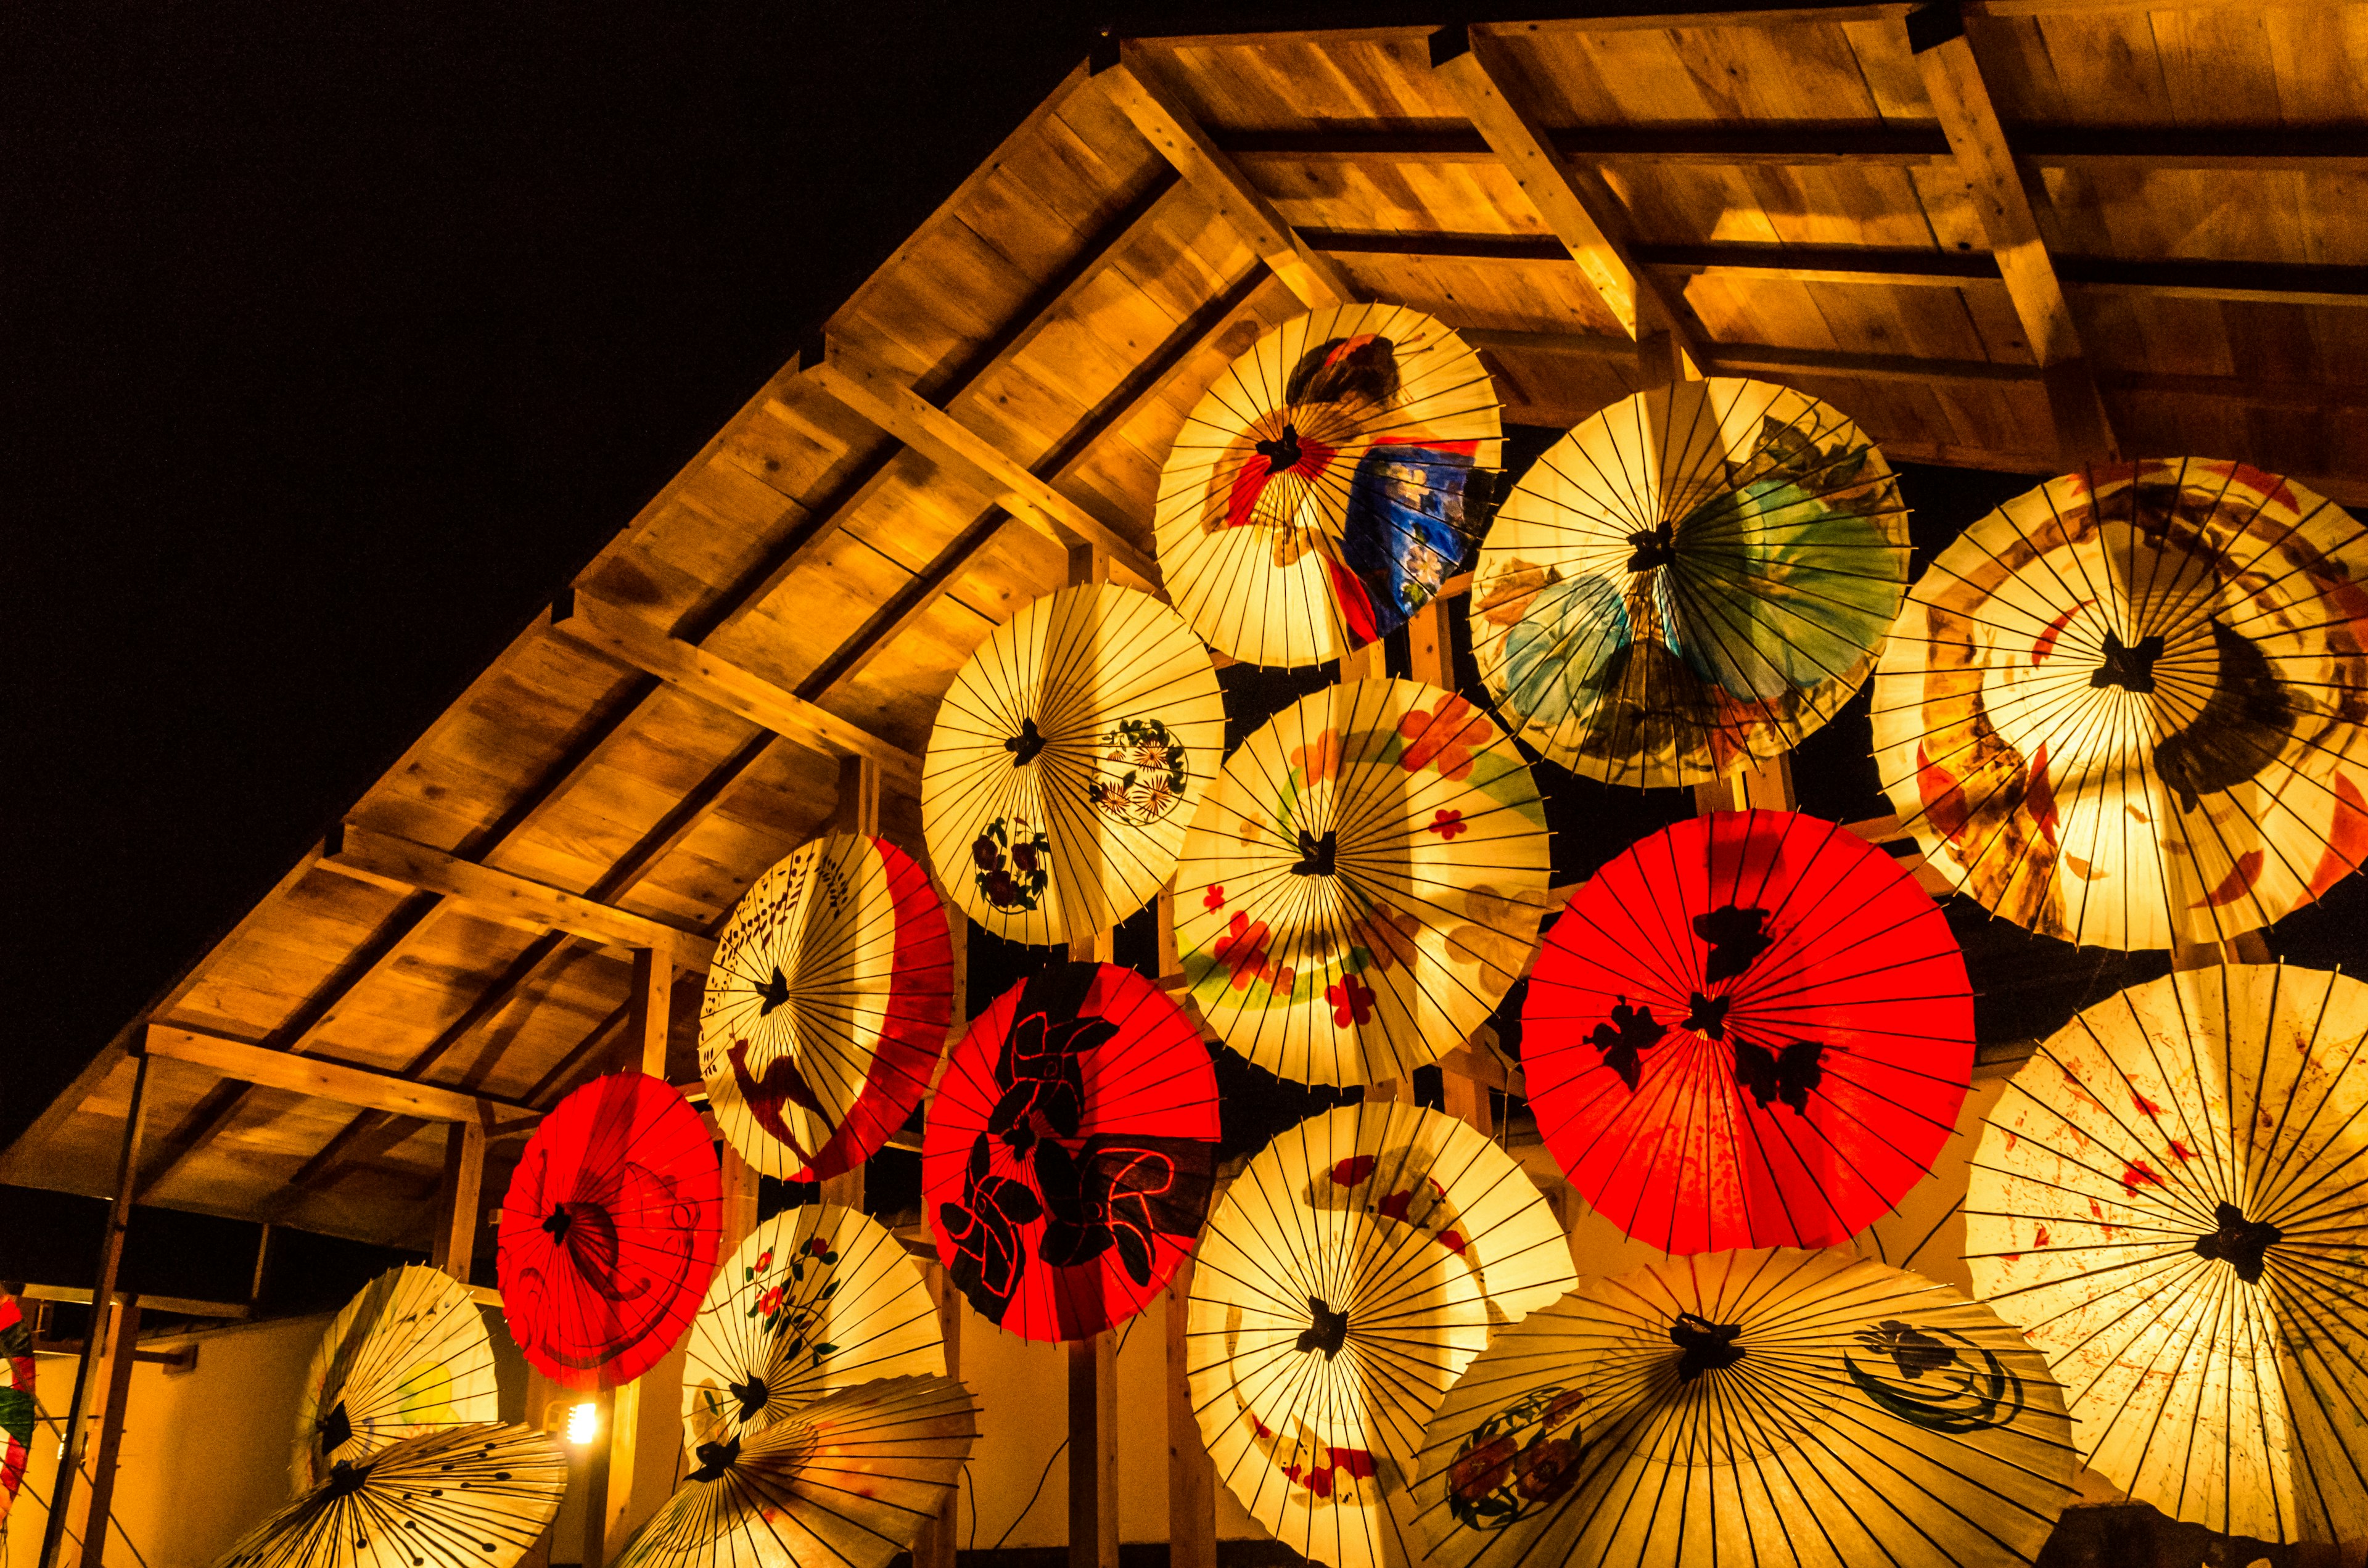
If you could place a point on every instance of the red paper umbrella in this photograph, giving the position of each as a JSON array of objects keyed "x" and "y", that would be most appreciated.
[
  {"x": 1067, "y": 1167},
  {"x": 610, "y": 1230},
  {"x": 1750, "y": 1029}
]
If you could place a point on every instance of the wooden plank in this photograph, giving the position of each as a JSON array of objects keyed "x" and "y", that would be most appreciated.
[
  {"x": 858, "y": 810},
  {"x": 455, "y": 1249},
  {"x": 1191, "y": 1475},
  {"x": 939, "y": 1538},
  {"x": 1093, "y": 1451},
  {"x": 740, "y": 1193},
  {"x": 364, "y": 1087},
  {"x": 122, "y": 1351},
  {"x": 650, "y": 1015}
]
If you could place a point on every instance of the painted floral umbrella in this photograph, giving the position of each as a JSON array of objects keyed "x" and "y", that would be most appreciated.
[
  {"x": 1363, "y": 883},
  {"x": 608, "y": 1231},
  {"x": 1067, "y": 758},
  {"x": 847, "y": 1480},
  {"x": 410, "y": 1352},
  {"x": 818, "y": 1299},
  {"x": 1776, "y": 1406},
  {"x": 1328, "y": 484},
  {"x": 17, "y": 1416},
  {"x": 1351, "y": 1270},
  {"x": 2126, "y": 708},
  {"x": 1690, "y": 582},
  {"x": 827, "y": 1008},
  {"x": 1066, "y": 1164},
  {"x": 1749, "y": 1028},
  {"x": 2172, "y": 1198},
  {"x": 453, "y": 1494}
]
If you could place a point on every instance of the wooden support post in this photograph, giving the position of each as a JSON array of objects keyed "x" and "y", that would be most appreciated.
[
  {"x": 546, "y": 1411},
  {"x": 592, "y": 1551},
  {"x": 740, "y": 1192},
  {"x": 1088, "y": 566},
  {"x": 938, "y": 1541},
  {"x": 859, "y": 797},
  {"x": 1768, "y": 786},
  {"x": 1191, "y": 1473},
  {"x": 455, "y": 1250},
  {"x": 1367, "y": 662},
  {"x": 1431, "y": 645},
  {"x": 1093, "y": 1451},
  {"x": 122, "y": 1345},
  {"x": 651, "y": 1018}
]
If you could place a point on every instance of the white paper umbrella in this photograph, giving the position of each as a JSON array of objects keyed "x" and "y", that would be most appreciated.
[
  {"x": 1362, "y": 884},
  {"x": 1328, "y": 484},
  {"x": 846, "y": 1480},
  {"x": 818, "y": 1299},
  {"x": 2173, "y": 1197},
  {"x": 479, "y": 1495},
  {"x": 1779, "y": 1406},
  {"x": 2126, "y": 708},
  {"x": 408, "y": 1353},
  {"x": 1352, "y": 1269},
  {"x": 1067, "y": 758}
]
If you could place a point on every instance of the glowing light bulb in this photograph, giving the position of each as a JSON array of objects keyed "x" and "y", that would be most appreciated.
[{"x": 582, "y": 1422}]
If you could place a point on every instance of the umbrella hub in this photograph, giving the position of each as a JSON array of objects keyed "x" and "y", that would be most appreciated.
[
  {"x": 2241, "y": 1243},
  {"x": 1327, "y": 1331},
  {"x": 1282, "y": 453},
  {"x": 752, "y": 1395},
  {"x": 2131, "y": 667},
  {"x": 1707, "y": 1016},
  {"x": 1315, "y": 855},
  {"x": 774, "y": 993},
  {"x": 1705, "y": 1346},
  {"x": 1654, "y": 547},
  {"x": 336, "y": 1428},
  {"x": 715, "y": 1461},
  {"x": 345, "y": 1479},
  {"x": 1024, "y": 745}
]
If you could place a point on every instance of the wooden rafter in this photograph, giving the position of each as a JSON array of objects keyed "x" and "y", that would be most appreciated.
[{"x": 364, "y": 1087}]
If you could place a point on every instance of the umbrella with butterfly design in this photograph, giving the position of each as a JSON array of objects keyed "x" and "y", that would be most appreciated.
[
  {"x": 1067, "y": 758},
  {"x": 847, "y": 1480},
  {"x": 827, "y": 1008},
  {"x": 480, "y": 1495},
  {"x": 1690, "y": 583},
  {"x": 1363, "y": 883},
  {"x": 610, "y": 1230},
  {"x": 2173, "y": 1199},
  {"x": 2126, "y": 708},
  {"x": 1328, "y": 484},
  {"x": 1066, "y": 1164},
  {"x": 17, "y": 1417},
  {"x": 818, "y": 1299},
  {"x": 1749, "y": 1028},
  {"x": 1351, "y": 1269},
  {"x": 409, "y": 1352},
  {"x": 1772, "y": 1406}
]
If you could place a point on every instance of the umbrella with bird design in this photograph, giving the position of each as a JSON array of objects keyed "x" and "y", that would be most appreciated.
[{"x": 410, "y": 1352}]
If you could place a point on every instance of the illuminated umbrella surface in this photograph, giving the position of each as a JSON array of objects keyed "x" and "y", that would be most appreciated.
[
  {"x": 1067, "y": 758},
  {"x": 1066, "y": 1164},
  {"x": 1352, "y": 1269},
  {"x": 409, "y": 1352},
  {"x": 2126, "y": 708},
  {"x": 479, "y": 1495},
  {"x": 2172, "y": 1198},
  {"x": 17, "y": 1417},
  {"x": 816, "y": 1298},
  {"x": 1751, "y": 1027},
  {"x": 847, "y": 1480},
  {"x": 1328, "y": 484},
  {"x": 1690, "y": 582},
  {"x": 1363, "y": 883},
  {"x": 827, "y": 1008},
  {"x": 610, "y": 1230}
]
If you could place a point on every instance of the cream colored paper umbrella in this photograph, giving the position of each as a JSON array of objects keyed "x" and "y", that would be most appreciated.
[
  {"x": 818, "y": 1299},
  {"x": 827, "y": 1008},
  {"x": 846, "y": 1480},
  {"x": 2127, "y": 707},
  {"x": 1362, "y": 884},
  {"x": 1067, "y": 758},
  {"x": 1352, "y": 1269},
  {"x": 408, "y": 1354},
  {"x": 479, "y": 1495},
  {"x": 1779, "y": 1406},
  {"x": 2172, "y": 1198},
  {"x": 1690, "y": 582},
  {"x": 1328, "y": 484}
]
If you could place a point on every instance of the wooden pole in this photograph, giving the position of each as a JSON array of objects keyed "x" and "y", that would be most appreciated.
[
  {"x": 740, "y": 1191},
  {"x": 1191, "y": 1473},
  {"x": 122, "y": 1346},
  {"x": 593, "y": 1552},
  {"x": 544, "y": 1397},
  {"x": 455, "y": 1249},
  {"x": 110, "y": 1259},
  {"x": 646, "y": 1026},
  {"x": 1093, "y": 1451},
  {"x": 940, "y": 1540}
]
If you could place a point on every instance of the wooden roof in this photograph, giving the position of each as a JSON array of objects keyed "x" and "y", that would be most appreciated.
[{"x": 2009, "y": 236}]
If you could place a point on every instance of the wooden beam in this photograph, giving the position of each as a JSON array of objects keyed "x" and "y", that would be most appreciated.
[
  {"x": 122, "y": 1350},
  {"x": 1134, "y": 85},
  {"x": 365, "y": 1086},
  {"x": 1093, "y": 1451},
  {"x": 858, "y": 807},
  {"x": 455, "y": 1250},
  {"x": 179, "y": 1306},
  {"x": 1191, "y": 1475},
  {"x": 939, "y": 1538}
]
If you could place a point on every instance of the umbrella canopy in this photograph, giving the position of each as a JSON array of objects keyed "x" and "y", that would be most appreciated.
[
  {"x": 1362, "y": 884},
  {"x": 2125, "y": 709},
  {"x": 1354, "y": 1265},
  {"x": 1066, "y": 1164},
  {"x": 1328, "y": 484},
  {"x": 475, "y": 1494},
  {"x": 16, "y": 1412},
  {"x": 1690, "y": 582},
  {"x": 816, "y": 1298},
  {"x": 846, "y": 1480},
  {"x": 1067, "y": 758},
  {"x": 2170, "y": 1199},
  {"x": 410, "y": 1352},
  {"x": 827, "y": 1008},
  {"x": 1749, "y": 1028},
  {"x": 1779, "y": 1406},
  {"x": 608, "y": 1231}
]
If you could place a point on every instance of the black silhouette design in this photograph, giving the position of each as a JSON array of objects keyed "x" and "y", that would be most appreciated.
[
  {"x": 1790, "y": 1074},
  {"x": 1707, "y": 1347},
  {"x": 1631, "y": 1031},
  {"x": 1915, "y": 1351},
  {"x": 990, "y": 1251},
  {"x": 1736, "y": 937},
  {"x": 1118, "y": 1193},
  {"x": 1039, "y": 1067}
]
